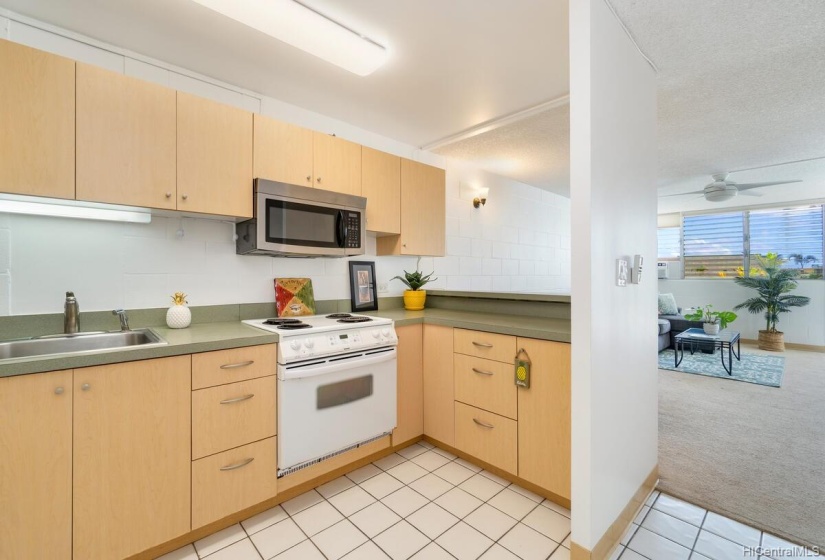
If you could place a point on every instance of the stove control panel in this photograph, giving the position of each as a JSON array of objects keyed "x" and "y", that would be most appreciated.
[{"x": 300, "y": 346}]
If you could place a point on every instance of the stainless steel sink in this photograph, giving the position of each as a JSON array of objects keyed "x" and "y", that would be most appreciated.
[{"x": 79, "y": 343}]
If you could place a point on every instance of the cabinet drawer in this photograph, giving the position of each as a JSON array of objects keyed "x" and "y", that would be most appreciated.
[
  {"x": 487, "y": 436},
  {"x": 231, "y": 481},
  {"x": 236, "y": 364},
  {"x": 227, "y": 416},
  {"x": 486, "y": 384},
  {"x": 498, "y": 347}
]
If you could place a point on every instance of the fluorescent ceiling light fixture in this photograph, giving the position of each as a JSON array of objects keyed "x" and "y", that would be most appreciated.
[
  {"x": 12, "y": 204},
  {"x": 302, "y": 27}
]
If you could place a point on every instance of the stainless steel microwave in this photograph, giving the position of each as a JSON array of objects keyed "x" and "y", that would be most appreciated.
[{"x": 290, "y": 220}]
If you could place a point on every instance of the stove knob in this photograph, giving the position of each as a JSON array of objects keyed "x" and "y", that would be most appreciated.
[
  {"x": 376, "y": 334},
  {"x": 295, "y": 344},
  {"x": 309, "y": 343},
  {"x": 386, "y": 332}
]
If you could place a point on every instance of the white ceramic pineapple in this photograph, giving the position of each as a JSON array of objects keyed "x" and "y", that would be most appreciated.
[{"x": 179, "y": 316}]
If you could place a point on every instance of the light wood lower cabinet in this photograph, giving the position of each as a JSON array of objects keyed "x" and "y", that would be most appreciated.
[
  {"x": 490, "y": 437},
  {"x": 544, "y": 417},
  {"x": 234, "y": 364},
  {"x": 410, "y": 406},
  {"x": 439, "y": 390},
  {"x": 491, "y": 346},
  {"x": 132, "y": 447},
  {"x": 231, "y": 415},
  {"x": 486, "y": 384},
  {"x": 228, "y": 482},
  {"x": 36, "y": 466}
]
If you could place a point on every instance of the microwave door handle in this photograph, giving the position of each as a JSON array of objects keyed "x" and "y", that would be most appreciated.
[{"x": 340, "y": 229}]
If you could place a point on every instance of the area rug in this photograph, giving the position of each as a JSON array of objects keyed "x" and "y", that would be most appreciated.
[{"x": 754, "y": 368}]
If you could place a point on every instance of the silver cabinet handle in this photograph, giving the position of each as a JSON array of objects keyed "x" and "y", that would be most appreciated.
[
  {"x": 238, "y": 465},
  {"x": 482, "y": 372},
  {"x": 239, "y": 364},
  {"x": 185, "y": 197},
  {"x": 309, "y": 178},
  {"x": 238, "y": 399},
  {"x": 85, "y": 387},
  {"x": 318, "y": 179},
  {"x": 58, "y": 390},
  {"x": 168, "y": 195},
  {"x": 483, "y": 344},
  {"x": 483, "y": 424}
]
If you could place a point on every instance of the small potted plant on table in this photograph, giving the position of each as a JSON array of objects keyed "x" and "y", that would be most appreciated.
[
  {"x": 714, "y": 321},
  {"x": 415, "y": 297}
]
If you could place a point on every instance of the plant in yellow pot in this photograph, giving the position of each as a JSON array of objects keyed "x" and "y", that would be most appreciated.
[{"x": 415, "y": 297}]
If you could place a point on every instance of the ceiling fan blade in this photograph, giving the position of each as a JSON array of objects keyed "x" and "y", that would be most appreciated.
[
  {"x": 751, "y": 194},
  {"x": 747, "y": 186},
  {"x": 683, "y": 193}
]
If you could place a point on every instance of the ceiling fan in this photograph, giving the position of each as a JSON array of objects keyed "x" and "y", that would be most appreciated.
[{"x": 722, "y": 189}]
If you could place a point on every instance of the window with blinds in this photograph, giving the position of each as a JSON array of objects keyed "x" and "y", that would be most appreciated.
[
  {"x": 714, "y": 245},
  {"x": 794, "y": 233},
  {"x": 670, "y": 243}
]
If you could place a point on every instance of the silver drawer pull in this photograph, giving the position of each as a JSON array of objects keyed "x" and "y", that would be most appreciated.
[
  {"x": 482, "y": 372},
  {"x": 483, "y": 424},
  {"x": 238, "y": 399},
  {"x": 238, "y": 465},
  {"x": 239, "y": 364},
  {"x": 483, "y": 344}
]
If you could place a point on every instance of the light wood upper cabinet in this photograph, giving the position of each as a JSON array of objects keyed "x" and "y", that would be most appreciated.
[
  {"x": 423, "y": 212},
  {"x": 214, "y": 157},
  {"x": 125, "y": 140},
  {"x": 410, "y": 384},
  {"x": 36, "y": 466},
  {"x": 544, "y": 417},
  {"x": 337, "y": 164},
  {"x": 283, "y": 152},
  {"x": 132, "y": 447},
  {"x": 37, "y": 101},
  {"x": 439, "y": 413},
  {"x": 381, "y": 185}
]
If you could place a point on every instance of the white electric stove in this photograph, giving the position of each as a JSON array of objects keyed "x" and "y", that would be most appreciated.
[{"x": 336, "y": 384}]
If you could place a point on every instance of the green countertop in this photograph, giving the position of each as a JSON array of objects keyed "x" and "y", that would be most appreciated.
[{"x": 205, "y": 337}]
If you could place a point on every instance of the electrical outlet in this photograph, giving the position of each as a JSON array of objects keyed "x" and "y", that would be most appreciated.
[{"x": 383, "y": 287}]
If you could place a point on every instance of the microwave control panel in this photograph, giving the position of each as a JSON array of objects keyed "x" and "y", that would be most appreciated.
[{"x": 353, "y": 222}]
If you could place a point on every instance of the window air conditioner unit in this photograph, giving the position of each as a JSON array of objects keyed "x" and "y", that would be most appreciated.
[{"x": 661, "y": 267}]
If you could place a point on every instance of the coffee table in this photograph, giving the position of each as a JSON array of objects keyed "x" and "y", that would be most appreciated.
[{"x": 724, "y": 340}]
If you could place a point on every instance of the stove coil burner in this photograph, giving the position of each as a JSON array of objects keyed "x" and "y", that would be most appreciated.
[
  {"x": 281, "y": 321},
  {"x": 338, "y": 316},
  {"x": 354, "y": 319},
  {"x": 294, "y": 326}
]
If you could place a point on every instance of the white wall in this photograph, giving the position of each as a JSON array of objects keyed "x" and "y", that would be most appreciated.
[
  {"x": 803, "y": 325},
  {"x": 613, "y": 200},
  {"x": 112, "y": 265},
  {"x": 518, "y": 242}
]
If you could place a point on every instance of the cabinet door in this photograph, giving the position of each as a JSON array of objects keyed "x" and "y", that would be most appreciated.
[
  {"x": 132, "y": 466},
  {"x": 36, "y": 466},
  {"x": 337, "y": 164},
  {"x": 37, "y": 93},
  {"x": 410, "y": 384},
  {"x": 544, "y": 417},
  {"x": 214, "y": 158},
  {"x": 125, "y": 140},
  {"x": 381, "y": 185},
  {"x": 283, "y": 152},
  {"x": 439, "y": 413},
  {"x": 423, "y": 212}
]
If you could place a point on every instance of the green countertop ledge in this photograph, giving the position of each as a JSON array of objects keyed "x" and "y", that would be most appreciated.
[{"x": 205, "y": 337}]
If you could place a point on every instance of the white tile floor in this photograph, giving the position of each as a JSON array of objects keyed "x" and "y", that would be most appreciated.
[{"x": 424, "y": 503}]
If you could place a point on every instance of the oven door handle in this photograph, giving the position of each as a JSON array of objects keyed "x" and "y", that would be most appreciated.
[{"x": 286, "y": 374}]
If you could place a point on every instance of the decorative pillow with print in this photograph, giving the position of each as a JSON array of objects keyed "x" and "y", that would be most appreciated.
[{"x": 667, "y": 305}]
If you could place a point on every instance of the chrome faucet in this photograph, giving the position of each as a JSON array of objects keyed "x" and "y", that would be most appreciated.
[
  {"x": 71, "y": 314},
  {"x": 124, "y": 319}
]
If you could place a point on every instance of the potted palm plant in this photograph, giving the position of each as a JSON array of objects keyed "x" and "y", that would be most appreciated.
[
  {"x": 773, "y": 296},
  {"x": 714, "y": 321},
  {"x": 414, "y": 296}
]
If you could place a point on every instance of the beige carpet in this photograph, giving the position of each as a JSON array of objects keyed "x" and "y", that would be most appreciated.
[{"x": 753, "y": 453}]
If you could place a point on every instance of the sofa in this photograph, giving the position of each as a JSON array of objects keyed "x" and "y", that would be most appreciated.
[{"x": 671, "y": 325}]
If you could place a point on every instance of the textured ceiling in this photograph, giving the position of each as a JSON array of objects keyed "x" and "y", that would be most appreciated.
[{"x": 453, "y": 64}]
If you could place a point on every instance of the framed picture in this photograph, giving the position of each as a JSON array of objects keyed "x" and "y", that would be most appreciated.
[{"x": 363, "y": 291}]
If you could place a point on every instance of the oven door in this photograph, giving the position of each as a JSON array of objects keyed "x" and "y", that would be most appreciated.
[{"x": 327, "y": 406}]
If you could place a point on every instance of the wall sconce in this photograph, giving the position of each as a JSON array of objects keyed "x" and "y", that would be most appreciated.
[{"x": 481, "y": 199}]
